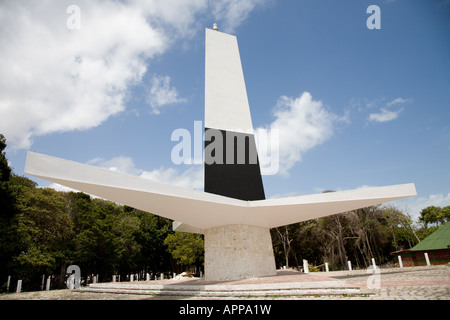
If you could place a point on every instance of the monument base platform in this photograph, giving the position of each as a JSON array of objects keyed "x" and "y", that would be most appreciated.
[
  {"x": 285, "y": 283},
  {"x": 235, "y": 252}
]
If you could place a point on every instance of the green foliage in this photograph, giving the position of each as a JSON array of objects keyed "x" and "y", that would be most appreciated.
[
  {"x": 186, "y": 248},
  {"x": 153, "y": 231},
  {"x": 313, "y": 268},
  {"x": 55, "y": 229},
  {"x": 435, "y": 215},
  {"x": 5, "y": 170},
  {"x": 43, "y": 228},
  {"x": 42, "y": 231},
  {"x": 358, "y": 236},
  {"x": 8, "y": 194}
]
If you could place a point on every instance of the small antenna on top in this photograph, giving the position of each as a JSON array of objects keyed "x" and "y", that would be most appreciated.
[{"x": 215, "y": 27}]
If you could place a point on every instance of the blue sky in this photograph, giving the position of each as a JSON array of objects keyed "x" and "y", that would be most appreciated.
[{"x": 361, "y": 107}]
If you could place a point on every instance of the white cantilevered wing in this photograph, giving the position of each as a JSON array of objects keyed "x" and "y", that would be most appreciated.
[{"x": 198, "y": 210}]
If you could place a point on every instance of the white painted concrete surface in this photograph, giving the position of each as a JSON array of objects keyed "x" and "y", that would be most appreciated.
[{"x": 226, "y": 102}]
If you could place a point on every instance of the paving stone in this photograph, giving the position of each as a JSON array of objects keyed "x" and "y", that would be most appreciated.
[{"x": 414, "y": 283}]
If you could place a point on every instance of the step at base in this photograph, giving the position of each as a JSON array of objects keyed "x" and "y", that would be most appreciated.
[{"x": 323, "y": 291}]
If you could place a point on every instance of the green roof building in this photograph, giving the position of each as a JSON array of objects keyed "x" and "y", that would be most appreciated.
[
  {"x": 436, "y": 245},
  {"x": 440, "y": 239}
]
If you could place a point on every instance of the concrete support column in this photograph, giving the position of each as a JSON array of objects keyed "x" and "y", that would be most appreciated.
[{"x": 236, "y": 252}]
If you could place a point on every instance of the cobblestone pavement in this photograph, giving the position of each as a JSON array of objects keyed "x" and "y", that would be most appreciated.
[{"x": 415, "y": 283}]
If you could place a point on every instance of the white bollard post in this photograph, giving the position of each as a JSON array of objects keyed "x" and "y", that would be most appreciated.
[
  {"x": 9, "y": 282},
  {"x": 427, "y": 259},
  {"x": 326, "y": 267},
  {"x": 47, "y": 287},
  {"x": 400, "y": 261},
  {"x": 70, "y": 282},
  {"x": 305, "y": 266},
  {"x": 131, "y": 277},
  {"x": 162, "y": 276},
  {"x": 95, "y": 279},
  {"x": 119, "y": 277},
  {"x": 114, "y": 278},
  {"x": 43, "y": 282},
  {"x": 349, "y": 265},
  {"x": 19, "y": 286},
  {"x": 373, "y": 263},
  {"x": 147, "y": 277}
]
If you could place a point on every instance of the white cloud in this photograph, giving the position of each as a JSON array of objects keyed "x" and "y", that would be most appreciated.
[
  {"x": 162, "y": 94},
  {"x": 415, "y": 204},
  {"x": 398, "y": 101},
  {"x": 231, "y": 13},
  {"x": 59, "y": 187},
  {"x": 120, "y": 164},
  {"x": 182, "y": 16},
  {"x": 303, "y": 123},
  {"x": 191, "y": 178},
  {"x": 384, "y": 115},
  {"x": 55, "y": 79},
  {"x": 179, "y": 17}
]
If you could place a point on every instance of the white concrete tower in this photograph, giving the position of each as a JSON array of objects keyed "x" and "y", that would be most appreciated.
[{"x": 235, "y": 251}]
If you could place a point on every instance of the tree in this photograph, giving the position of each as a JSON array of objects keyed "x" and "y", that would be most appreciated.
[
  {"x": 434, "y": 215},
  {"x": 10, "y": 188},
  {"x": 309, "y": 242},
  {"x": 7, "y": 201},
  {"x": 153, "y": 231},
  {"x": 105, "y": 236},
  {"x": 283, "y": 236},
  {"x": 359, "y": 236},
  {"x": 44, "y": 230},
  {"x": 5, "y": 170},
  {"x": 400, "y": 225},
  {"x": 186, "y": 248}
]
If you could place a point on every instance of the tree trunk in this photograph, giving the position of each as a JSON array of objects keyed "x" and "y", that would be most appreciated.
[
  {"x": 286, "y": 242},
  {"x": 340, "y": 242}
]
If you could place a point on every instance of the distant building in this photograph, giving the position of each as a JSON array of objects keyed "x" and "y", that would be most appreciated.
[{"x": 436, "y": 245}]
